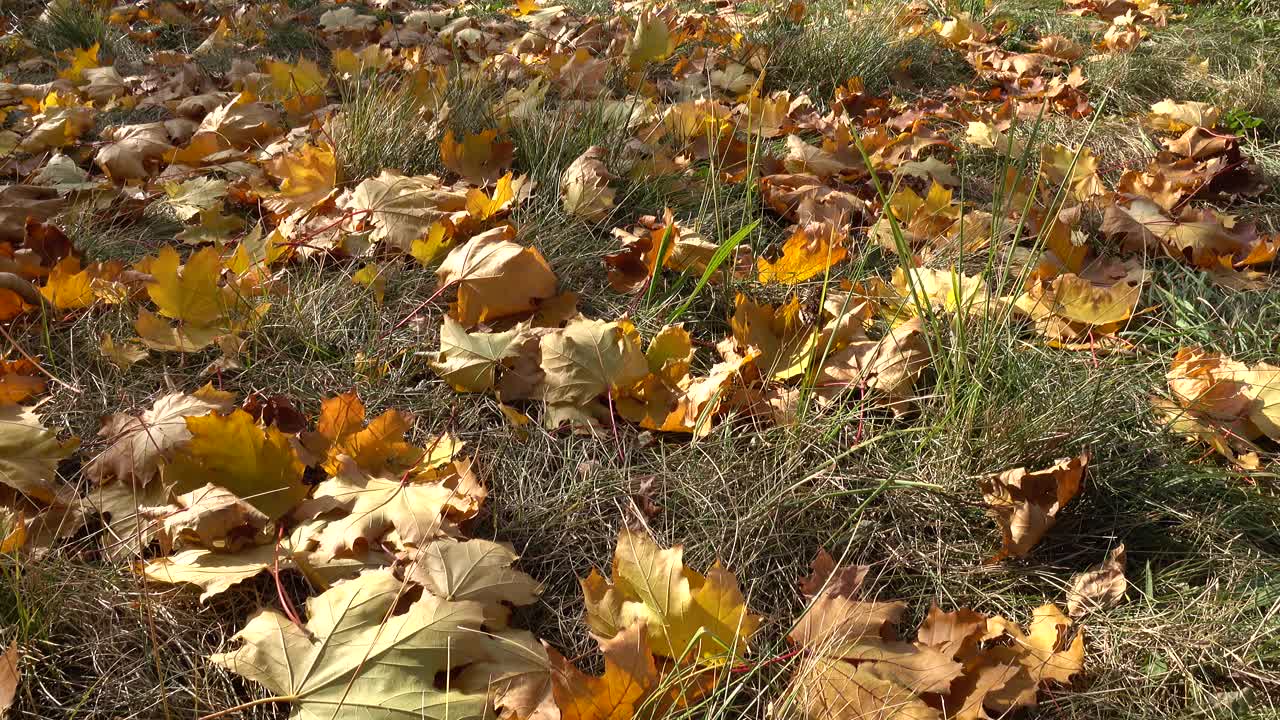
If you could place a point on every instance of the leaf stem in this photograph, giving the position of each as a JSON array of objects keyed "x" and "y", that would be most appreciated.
[{"x": 247, "y": 705}]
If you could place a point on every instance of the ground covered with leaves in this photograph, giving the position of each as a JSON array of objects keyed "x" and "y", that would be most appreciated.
[{"x": 394, "y": 359}]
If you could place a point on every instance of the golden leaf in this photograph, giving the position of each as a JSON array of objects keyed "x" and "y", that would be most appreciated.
[{"x": 259, "y": 465}]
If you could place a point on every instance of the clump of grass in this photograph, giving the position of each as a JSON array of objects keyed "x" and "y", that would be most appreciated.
[
  {"x": 387, "y": 124},
  {"x": 830, "y": 47},
  {"x": 383, "y": 125},
  {"x": 289, "y": 40},
  {"x": 67, "y": 25}
]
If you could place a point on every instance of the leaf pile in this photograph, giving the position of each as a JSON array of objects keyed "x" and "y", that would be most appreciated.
[{"x": 251, "y": 154}]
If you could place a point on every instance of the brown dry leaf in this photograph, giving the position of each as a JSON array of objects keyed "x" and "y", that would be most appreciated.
[
  {"x": 827, "y": 689},
  {"x": 677, "y": 607},
  {"x": 1070, "y": 308},
  {"x": 140, "y": 444},
  {"x": 121, "y": 354},
  {"x": 889, "y": 366},
  {"x": 518, "y": 675},
  {"x": 1042, "y": 654},
  {"x": 495, "y": 277},
  {"x": 1100, "y": 587},
  {"x": 133, "y": 152},
  {"x": 1221, "y": 402},
  {"x": 785, "y": 340},
  {"x": 584, "y": 186},
  {"x": 921, "y": 222},
  {"x": 668, "y": 399},
  {"x": 216, "y": 571},
  {"x": 20, "y": 380},
  {"x": 208, "y": 516},
  {"x": 955, "y": 634},
  {"x": 831, "y": 579},
  {"x": 1077, "y": 171},
  {"x": 1199, "y": 236},
  {"x": 129, "y": 529},
  {"x": 9, "y": 677},
  {"x": 1025, "y": 503}
]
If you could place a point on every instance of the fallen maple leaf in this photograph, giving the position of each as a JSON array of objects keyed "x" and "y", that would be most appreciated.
[
  {"x": 495, "y": 277},
  {"x": 678, "y": 607},
  {"x": 1175, "y": 116},
  {"x": 401, "y": 209},
  {"x": 469, "y": 361},
  {"x": 208, "y": 516},
  {"x": 890, "y": 366},
  {"x": 1025, "y": 503},
  {"x": 190, "y": 292},
  {"x": 479, "y": 158},
  {"x": 588, "y": 359},
  {"x": 121, "y": 354},
  {"x": 785, "y": 340},
  {"x": 374, "y": 447},
  {"x": 355, "y": 653},
  {"x": 584, "y": 186},
  {"x": 1100, "y": 587},
  {"x": 630, "y": 675},
  {"x": 256, "y": 464},
  {"x": 140, "y": 444},
  {"x": 122, "y": 505},
  {"x": 477, "y": 570},
  {"x": 9, "y": 676},
  {"x": 19, "y": 381},
  {"x": 826, "y": 689},
  {"x": 808, "y": 251},
  {"x": 30, "y": 453},
  {"x": 306, "y": 175},
  {"x": 371, "y": 506}
]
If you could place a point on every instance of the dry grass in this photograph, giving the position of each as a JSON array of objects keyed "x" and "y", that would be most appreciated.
[{"x": 1196, "y": 638}]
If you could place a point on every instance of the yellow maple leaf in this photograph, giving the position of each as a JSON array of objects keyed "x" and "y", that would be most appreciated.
[
  {"x": 651, "y": 42},
  {"x": 482, "y": 206},
  {"x": 190, "y": 294},
  {"x": 371, "y": 276},
  {"x": 686, "y": 615},
  {"x": 306, "y": 177},
  {"x": 69, "y": 287},
  {"x": 479, "y": 158},
  {"x": 438, "y": 241},
  {"x": 302, "y": 78},
  {"x": 808, "y": 252},
  {"x": 81, "y": 60},
  {"x": 257, "y": 464}
]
